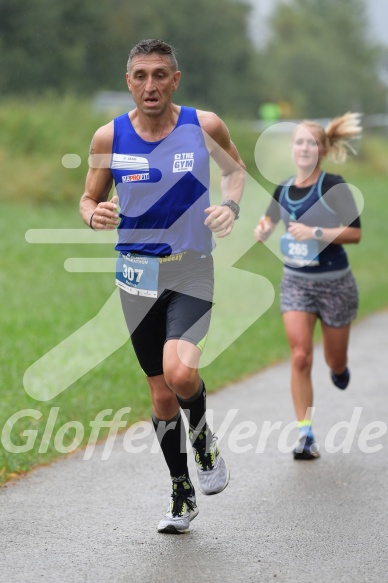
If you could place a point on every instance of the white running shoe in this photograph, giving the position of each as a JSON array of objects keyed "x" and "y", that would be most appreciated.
[
  {"x": 212, "y": 471},
  {"x": 182, "y": 509}
]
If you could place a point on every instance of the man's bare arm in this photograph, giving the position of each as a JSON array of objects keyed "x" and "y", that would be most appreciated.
[
  {"x": 221, "y": 218},
  {"x": 95, "y": 209}
]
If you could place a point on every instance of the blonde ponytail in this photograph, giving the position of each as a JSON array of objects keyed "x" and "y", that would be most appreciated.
[
  {"x": 339, "y": 133},
  {"x": 336, "y": 137}
]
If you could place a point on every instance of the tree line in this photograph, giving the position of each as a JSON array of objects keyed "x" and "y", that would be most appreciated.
[{"x": 319, "y": 59}]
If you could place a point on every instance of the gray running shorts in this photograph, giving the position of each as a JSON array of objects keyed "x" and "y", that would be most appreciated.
[{"x": 334, "y": 301}]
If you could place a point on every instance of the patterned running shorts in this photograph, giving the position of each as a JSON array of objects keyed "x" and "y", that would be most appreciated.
[{"x": 334, "y": 301}]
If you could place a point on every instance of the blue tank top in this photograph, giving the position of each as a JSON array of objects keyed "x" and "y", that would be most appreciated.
[
  {"x": 163, "y": 188},
  {"x": 312, "y": 210}
]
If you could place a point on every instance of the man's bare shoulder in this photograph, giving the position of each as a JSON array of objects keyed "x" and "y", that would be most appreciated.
[
  {"x": 217, "y": 138},
  {"x": 209, "y": 121},
  {"x": 103, "y": 139},
  {"x": 214, "y": 127}
]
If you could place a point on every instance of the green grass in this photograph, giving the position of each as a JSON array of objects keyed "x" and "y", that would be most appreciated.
[
  {"x": 43, "y": 304},
  {"x": 33, "y": 139}
]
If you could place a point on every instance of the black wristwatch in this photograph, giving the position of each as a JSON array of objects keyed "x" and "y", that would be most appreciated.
[
  {"x": 318, "y": 233},
  {"x": 233, "y": 206}
]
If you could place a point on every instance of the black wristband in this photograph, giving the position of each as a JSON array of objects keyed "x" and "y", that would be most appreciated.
[{"x": 91, "y": 220}]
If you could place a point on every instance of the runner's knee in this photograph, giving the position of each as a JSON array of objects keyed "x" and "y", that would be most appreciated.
[
  {"x": 302, "y": 359},
  {"x": 181, "y": 379}
]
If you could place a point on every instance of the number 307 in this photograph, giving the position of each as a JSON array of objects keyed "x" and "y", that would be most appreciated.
[{"x": 132, "y": 274}]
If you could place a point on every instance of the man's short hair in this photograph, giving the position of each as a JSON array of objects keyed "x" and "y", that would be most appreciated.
[{"x": 149, "y": 46}]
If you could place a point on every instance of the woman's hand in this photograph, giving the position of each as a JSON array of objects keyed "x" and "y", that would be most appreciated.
[
  {"x": 263, "y": 229},
  {"x": 300, "y": 232}
]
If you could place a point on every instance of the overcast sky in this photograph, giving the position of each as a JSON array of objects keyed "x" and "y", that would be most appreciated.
[{"x": 377, "y": 9}]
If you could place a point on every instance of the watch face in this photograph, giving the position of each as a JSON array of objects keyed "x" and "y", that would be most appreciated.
[{"x": 318, "y": 233}]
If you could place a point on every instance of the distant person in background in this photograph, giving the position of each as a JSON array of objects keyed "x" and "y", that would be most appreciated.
[
  {"x": 320, "y": 216},
  {"x": 269, "y": 113},
  {"x": 158, "y": 156}
]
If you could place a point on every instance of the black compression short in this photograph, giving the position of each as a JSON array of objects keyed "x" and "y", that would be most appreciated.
[{"x": 181, "y": 311}]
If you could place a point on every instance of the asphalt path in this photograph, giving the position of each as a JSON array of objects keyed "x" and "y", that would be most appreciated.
[{"x": 94, "y": 520}]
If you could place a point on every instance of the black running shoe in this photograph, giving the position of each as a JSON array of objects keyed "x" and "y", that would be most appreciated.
[
  {"x": 307, "y": 449},
  {"x": 341, "y": 380}
]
